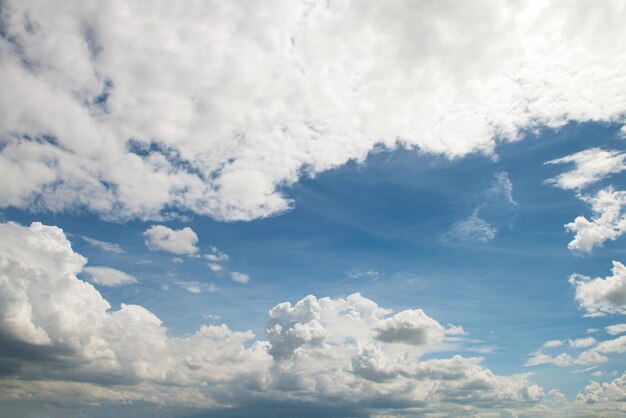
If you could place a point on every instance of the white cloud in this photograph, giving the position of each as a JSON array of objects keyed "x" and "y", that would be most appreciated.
[
  {"x": 502, "y": 188},
  {"x": 108, "y": 276},
  {"x": 103, "y": 245},
  {"x": 557, "y": 396},
  {"x": 455, "y": 330},
  {"x": 602, "y": 296},
  {"x": 229, "y": 103},
  {"x": 607, "y": 223},
  {"x": 216, "y": 255},
  {"x": 370, "y": 274},
  {"x": 473, "y": 229},
  {"x": 591, "y": 166},
  {"x": 76, "y": 350},
  {"x": 196, "y": 287},
  {"x": 239, "y": 277},
  {"x": 616, "y": 329},
  {"x": 553, "y": 344},
  {"x": 617, "y": 345},
  {"x": 215, "y": 267},
  {"x": 605, "y": 392},
  {"x": 582, "y": 342},
  {"x": 409, "y": 327},
  {"x": 177, "y": 241}
]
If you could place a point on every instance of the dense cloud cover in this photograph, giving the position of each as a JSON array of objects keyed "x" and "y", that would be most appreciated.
[
  {"x": 60, "y": 335},
  {"x": 135, "y": 109}
]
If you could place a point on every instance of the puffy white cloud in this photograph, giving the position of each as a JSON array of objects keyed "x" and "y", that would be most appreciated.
[
  {"x": 616, "y": 329},
  {"x": 215, "y": 109},
  {"x": 591, "y": 165},
  {"x": 409, "y": 327},
  {"x": 607, "y": 223},
  {"x": 65, "y": 344},
  {"x": 605, "y": 392},
  {"x": 239, "y": 277},
  {"x": 215, "y": 267},
  {"x": 103, "y": 245},
  {"x": 582, "y": 342},
  {"x": 617, "y": 345},
  {"x": 177, "y": 241},
  {"x": 557, "y": 396},
  {"x": 602, "y": 296},
  {"x": 108, "y": 276},
  {"x": 553, "y": 344}
]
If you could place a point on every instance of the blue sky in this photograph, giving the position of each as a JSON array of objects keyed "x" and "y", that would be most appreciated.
[{"x": 334, "y": 209}]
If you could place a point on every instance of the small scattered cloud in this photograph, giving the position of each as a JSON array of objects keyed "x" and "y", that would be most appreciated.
[
  {"x": 103, "y": 245},
  {"x": 239, "y": 277},
  {"x": 369, "y": 274},
  {"x": 215, "y": 267},
  {"x": 590, "y": 166},
  {"x": 107, "y": 276},
  {"x": 582, "y": 342},
  {"x": 557, "y": 396},
  {"x": 196, "y": 287},
  {"x": 473, "y": 229},
  {"x": 553, "y": 344},
  {"x": 182, "y": 241},
  {"x": 216, "y": 255}
]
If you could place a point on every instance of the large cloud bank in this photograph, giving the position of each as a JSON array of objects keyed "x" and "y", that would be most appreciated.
[
  {"x": 62, "y": 341},
  {"x": 135, "y": 109}
]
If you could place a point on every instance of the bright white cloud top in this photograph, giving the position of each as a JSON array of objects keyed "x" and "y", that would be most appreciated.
[
  {"x": 131, "y": 109},
  {"x": 602, "y": 296},
  {"x": 182, "y": 241}
]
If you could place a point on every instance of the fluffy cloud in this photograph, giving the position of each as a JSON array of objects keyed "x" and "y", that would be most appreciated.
[
  {"x": 582, "y": 342},
  {"x": 553, "y": 344},
  {"x": 239, "y": 277},
  {"x": 605, "y": 392},
  {"x": 131, "y": 109},
  {"x": 591, "y": 166},
  {"x": 557, "y": 396},
  {"x": 608, "y": 221},
  {"x": 409, "y": 327},
  {"x": 196, "y": 287},
  {"x": 108, "y": 276},
  {"x": 616, "y": 329},
  {"x": 602, "y": 296},
  {"x": 65, "y": 343},
  {"x": 181, "y": 241}
]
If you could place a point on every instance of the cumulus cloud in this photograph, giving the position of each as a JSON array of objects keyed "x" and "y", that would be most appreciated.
[
  {"x": 65, "y": 343},
  {"x": 582, "y": 342},
  {"x": 553, "y": 344},
  {"x": 616, "y": 329},
  {"x": 557, "y": 396},
  {"x": 409, "y": 327},
  {"x": 103, "y": 245},
  {"x": 176, "y": 241},
  {"x": 602, "y": 296},
  {"x": 218, "y": 108},
  {"x": 215, "y": 267},
  {"x": 605, "y": 392},
  {"x": 607, "y": 223},
  {"x": 590, "y": 166},
  {"x": 107, "y": 276}
]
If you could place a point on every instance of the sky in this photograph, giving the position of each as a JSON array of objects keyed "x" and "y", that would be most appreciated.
[{"x": 316, "y": 208}]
